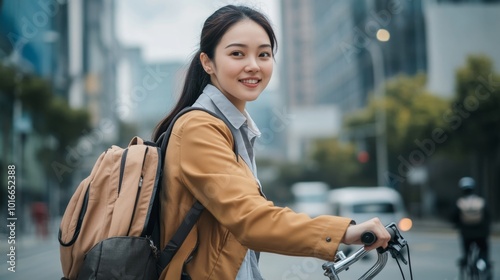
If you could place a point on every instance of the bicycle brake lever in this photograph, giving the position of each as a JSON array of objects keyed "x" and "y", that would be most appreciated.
[
  {"x": 397, "y": 255},
  {"x": 396, "y": 244}
]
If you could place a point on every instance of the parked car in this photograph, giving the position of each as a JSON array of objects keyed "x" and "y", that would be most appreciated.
[
  {"x": 364, "y": 203},
  {"x": 311, "y": 198}
]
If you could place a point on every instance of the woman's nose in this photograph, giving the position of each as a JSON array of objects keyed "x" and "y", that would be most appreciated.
[{"x": 252, "y": 65}]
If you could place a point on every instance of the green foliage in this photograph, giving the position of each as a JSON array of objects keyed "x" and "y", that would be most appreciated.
[
  {"x": 35, "y": 94},
  {"x": 7, "y": 89},
  {"x": 7, "y": 81},
  {"x": 417, "y": 114},
  {"x": 127, "y": 131},
  {"x": 67, "y": 125},
  {"x": 474, "y": 118},
  {"x": 50, "y": 114},
  {"x": 335, "y": 162},
  {"x": 330, "y": 161},
  {"x": 412, "y": 115}
]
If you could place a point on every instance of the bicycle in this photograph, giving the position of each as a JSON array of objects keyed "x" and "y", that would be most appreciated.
[
  {"x": 474, "y": 267},
  {"x": 395, "y": 247}
]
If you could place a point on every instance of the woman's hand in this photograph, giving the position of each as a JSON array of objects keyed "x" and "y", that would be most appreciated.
[{"x": 354, "y": 232}]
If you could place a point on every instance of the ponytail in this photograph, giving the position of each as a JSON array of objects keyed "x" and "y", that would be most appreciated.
[{"x": 194, "y": 83}]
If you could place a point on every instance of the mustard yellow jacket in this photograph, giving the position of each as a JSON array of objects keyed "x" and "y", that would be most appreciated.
[{"x": 201, "y": 165}]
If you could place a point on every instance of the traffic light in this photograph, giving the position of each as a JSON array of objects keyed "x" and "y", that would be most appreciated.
[{"x": 363, "y": 156}]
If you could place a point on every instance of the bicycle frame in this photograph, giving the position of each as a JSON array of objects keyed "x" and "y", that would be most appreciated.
[{"x": 341, "y": 263}]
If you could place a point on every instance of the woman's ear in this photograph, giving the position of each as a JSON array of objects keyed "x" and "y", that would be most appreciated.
[{"x": 206, "y": 63}]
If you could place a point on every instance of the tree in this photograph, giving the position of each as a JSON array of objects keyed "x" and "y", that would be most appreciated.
[
  {"x": 7, "y": 89},
  {"x": 474, "y": 119},
  {"x": 335, "y": 162},
  {"x": 413, "y": 119}
]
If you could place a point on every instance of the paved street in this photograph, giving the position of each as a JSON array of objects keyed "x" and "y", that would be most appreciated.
[{"x": 433, "y": 256}]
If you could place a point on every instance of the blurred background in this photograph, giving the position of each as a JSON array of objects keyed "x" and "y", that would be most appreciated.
[{"x": 394, "y": 93}]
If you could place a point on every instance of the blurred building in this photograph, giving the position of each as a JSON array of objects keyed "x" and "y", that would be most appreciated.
[
  {"x": 327, "y": 56},
  {"x": 149, "y": 91},
  {"x": 457, "y": 31},
  {"x": 30, "y": 37},
  {"x": 332, "y": 54},
  {"x": 93, "y": 60},
  {"x": 129, "y": 73},
  {"x": 72, "y": 45},
  {"x": 296, "y": 58},
  {"x": 33, "y": 39}
]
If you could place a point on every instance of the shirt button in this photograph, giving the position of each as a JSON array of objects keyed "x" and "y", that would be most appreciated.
[{"x": 328, "y": 239}]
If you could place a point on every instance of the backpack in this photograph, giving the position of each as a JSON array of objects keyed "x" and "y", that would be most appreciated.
[
  {"x": 471, "y": 209},
  {"x": 110, "y": 228}
]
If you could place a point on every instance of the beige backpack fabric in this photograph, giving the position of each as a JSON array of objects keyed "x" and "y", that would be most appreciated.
[{"x": 117, "y": 199}]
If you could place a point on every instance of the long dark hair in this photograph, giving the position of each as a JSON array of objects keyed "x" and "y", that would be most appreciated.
[{"x": 214, "y": 28}]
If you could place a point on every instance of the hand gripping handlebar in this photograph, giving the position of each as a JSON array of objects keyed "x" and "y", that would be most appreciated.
[{"x": 395, "y": 247}]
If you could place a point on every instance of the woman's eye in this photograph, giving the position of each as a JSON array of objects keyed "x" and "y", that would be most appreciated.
[
  {"x": 265, "y": 54},
  {"x": 237, "y": 53}
]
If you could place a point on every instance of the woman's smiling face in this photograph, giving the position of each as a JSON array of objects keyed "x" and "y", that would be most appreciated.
[{"x": 242, "y": 65}]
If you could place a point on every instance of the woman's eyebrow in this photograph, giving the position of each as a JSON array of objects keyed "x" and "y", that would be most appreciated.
[{"x": 245, "y": 46}]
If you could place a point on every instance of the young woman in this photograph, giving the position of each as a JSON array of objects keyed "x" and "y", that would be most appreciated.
[{"x": 232, "y": 67}]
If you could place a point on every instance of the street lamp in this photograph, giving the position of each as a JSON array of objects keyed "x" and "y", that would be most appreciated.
[{"x": 379, "y": 92}]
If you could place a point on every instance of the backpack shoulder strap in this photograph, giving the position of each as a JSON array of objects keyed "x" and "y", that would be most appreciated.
[
  {"x": 162, "y": 141},
  {"x": 195, "y": 212},
  {"x": 180, "y": 235}
]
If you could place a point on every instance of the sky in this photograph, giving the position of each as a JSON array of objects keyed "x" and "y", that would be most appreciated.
[{"x": 169, "y": 29}]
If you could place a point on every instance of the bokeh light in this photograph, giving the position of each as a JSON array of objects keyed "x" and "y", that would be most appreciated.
[{"x": 405, "y": 224}]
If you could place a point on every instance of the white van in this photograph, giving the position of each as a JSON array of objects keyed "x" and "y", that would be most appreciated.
[
  {"x": 311, "y": 198},
  {"x": 364, "y": 203}
]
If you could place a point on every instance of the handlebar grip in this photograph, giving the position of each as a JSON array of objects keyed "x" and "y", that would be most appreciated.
[
  {"x": 392, "y": 232},
  {"x": 368, "y": 237}
]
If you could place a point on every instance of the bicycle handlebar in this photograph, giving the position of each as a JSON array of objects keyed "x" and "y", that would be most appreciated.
[
  {"x": 368, "y": 238},
  {"x": 341, "y": 263}
]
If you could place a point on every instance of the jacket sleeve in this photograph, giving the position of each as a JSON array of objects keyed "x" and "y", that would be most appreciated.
[{"x": 228, "y": 190}]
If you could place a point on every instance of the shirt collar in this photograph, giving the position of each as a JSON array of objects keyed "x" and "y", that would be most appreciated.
[
  {"x": 252, "y": 126},
  {"x": 230, "y": 112}
]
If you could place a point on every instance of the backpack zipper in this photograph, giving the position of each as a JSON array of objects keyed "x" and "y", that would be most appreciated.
[
  {"x": 135, "y": 204},
  {"x": 139, "y": 187},
  {"x": 122, "y": 169},
  {"x": 155, "y": 250}
]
